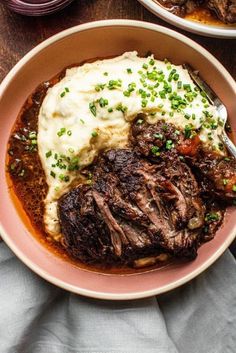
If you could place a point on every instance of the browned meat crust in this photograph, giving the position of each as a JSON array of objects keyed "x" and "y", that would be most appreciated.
[
  {"x": 143, "y": 201},
  {"x": 224, "y": 9}
]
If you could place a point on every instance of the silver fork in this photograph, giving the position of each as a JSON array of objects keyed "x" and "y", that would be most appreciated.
[{"x": 214, "y": 100}]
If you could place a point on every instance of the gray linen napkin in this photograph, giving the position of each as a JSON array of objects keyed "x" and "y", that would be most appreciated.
[{"x": 36, "y": 317}]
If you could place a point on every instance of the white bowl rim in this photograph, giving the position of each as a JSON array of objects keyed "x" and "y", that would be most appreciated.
[
  {"x": 188, "y": 25},
  {"x": 44, "y": 274}
]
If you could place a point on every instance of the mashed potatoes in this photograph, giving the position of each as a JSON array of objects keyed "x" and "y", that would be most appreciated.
[{"x": 91, "y": 109}]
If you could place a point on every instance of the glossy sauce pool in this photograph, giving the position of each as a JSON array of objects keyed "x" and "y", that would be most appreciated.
[{"x": 206, "y": 17}]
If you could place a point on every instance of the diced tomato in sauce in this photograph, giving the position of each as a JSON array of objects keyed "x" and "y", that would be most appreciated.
[{"x": 189, "y": 147}]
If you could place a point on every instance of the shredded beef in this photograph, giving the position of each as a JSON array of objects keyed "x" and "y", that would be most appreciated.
[
  {"x": 225, "y": 10},
  {"x": 145, "y": 201}
]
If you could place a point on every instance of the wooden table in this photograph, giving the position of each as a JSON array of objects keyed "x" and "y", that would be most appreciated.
[{"x": 19, "y": 34}]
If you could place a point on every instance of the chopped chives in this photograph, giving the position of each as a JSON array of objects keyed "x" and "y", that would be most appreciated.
[
  {"x": 158, "y": 136},
  {"x": 121, "y": 108},
  {"x": 75, "y": 160},
  {"x": 140, "y": 121},
  {"x": 99, "y": 87},
  {"x": 187, "y": 87},
  {"x": 74, "y": 164},
  {"x": 126, "y": 93},
  {"x": 144, "y": 103},
  {"x": 187, "y": 116},
  {"x": 94, "y": 134},
  {"x": 103, "y": 102},
  {"x": 211, "y": 217},
  {"x": 188, "y": 131},
  {"x": 155, "y": 150},
  {"x": 162, "y": 94},
  {"x": 32, "y": 135},
  {"x": 151, "y": 62},
  {"x": 143, "y": 94},
  {"x": 225, "y": 181},
  {"x": 221, "y": 146},
  {"x": 61, "y": 132},
  {"x": 48, "y": 154},
  {"x": 112, "y": 84},
  {"x": 176, "y": 77},
  {"x": 63, "y": 177},
  {"x": 169, "y": 144},
  {"x": 93, "y": 108}
]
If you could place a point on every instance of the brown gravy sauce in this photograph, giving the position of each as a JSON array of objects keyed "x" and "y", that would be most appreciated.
[
  {"x": 27, "y": 182},
  {"x": 206, "y": 17}
]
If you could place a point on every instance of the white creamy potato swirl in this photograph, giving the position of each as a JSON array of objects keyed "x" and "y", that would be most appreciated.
[{"x": 91, "y": 108}]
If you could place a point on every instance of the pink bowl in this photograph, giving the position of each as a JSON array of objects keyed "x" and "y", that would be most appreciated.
[{"x": 102, "y": 39}]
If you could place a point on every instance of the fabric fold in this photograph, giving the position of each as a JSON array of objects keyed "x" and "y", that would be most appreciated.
[{"x": 37, "y": 317}]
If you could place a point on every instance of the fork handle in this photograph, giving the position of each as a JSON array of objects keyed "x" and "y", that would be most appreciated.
[{"x": 228, "y": 143}]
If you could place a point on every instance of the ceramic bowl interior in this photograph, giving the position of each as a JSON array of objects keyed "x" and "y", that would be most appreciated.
[
  {"x": 203, "y": 29},
  {"x": 103, "y": 39}
]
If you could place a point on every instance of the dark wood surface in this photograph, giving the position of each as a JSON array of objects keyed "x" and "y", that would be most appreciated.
[{"x": 19, "y": 34}]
